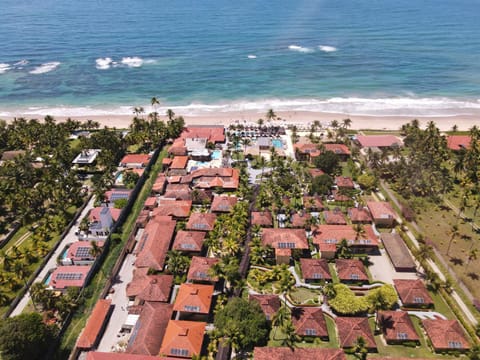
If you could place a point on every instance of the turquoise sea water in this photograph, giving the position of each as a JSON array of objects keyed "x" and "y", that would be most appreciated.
[{"x": 355, "y": 56}]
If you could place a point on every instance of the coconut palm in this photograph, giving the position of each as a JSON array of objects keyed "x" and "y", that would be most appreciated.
[
  {"x": 95, "y": 250},
  {"x": 360, "y": 348},
  {"x": 454, "y": 232},
  {"x": 155, "y": 102},
  {"x": 346, "y": 123},
  {"x": 170, "y": 114},
  {"x": 271, "y": 115},
  {"x": 291, "y": 338},
  {"x": 472, "y": 255},
  {"x": 177, "y": 263}
]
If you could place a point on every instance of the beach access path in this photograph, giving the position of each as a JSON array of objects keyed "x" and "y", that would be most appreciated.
[{"x": 69, "y": 238}]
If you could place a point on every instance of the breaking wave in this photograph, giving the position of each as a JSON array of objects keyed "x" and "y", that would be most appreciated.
[
  {"x": 45, "y": 68},
  {"x": 300, "y": 49},
  {"x": 327, "y": 48}
]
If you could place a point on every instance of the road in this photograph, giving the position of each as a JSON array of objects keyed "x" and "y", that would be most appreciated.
[{"x": 69, "y": 238}]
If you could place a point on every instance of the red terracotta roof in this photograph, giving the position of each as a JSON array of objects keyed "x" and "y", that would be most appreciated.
[
  {"x": 326, "y": 237},
  {"x": 286, "y": 353},
  {"x": 179, "y": 162},
  {"x": 261, "y": 218},
  {"x": 381, "y": 210},
  {"x": 412, "y": 292},
  {"x": 97, "y": 355},
  {"x": 80, "y": 250},
  {"x": 344, "y": 182},
  {"x": 457, "y": 142},
  {"x": 446, "y": 334},
  {"x": 285, "y": 238},
  {"x": 172, "y": 207},
  {"x": 299, "y": 220},
  {"x": 397, "y": 326},
  {"x": 359, "y": 215},
  {"x": 351, "y": 328},
  {"x": 334, "y": 217},
  {"x": 151, "y": 201},
  {"x": 223, "y": 203},
  {"x": 227, "y": 178},
  {"x": 201, "y": 221},
  {"x": 213, "y": 134},
  {"x": 270, "y": 304},
  {"x": 166, "y": 161},
  {"x": 351, "y": 270},
  {"x": 115, "y": 194},
  {"x": 150, "y": 328},
  {"x": 155, "y": 242},
  {"x": 132, "y": 159},
  {"x": 338, "y": 196},
  {"x": 378, "y": 140},
  {"x": 65, "y": 276},
  {"x": 315, "y": 269},
  {"x": 159, "y": 185},
  {"x": 313, "y": 203},
  {"x": 178, "y": 192},
  {"x": 178, "y": 147},
  {"x": 150, "y": 287},
  {"x": 200, "y": 269},
  {"x": 316, "y": 172},
  {"x": 339, "y": 149},
  {"x": 309, "y": 321},
  {"x": 305, "y": 148},
  {"x": 194, "y": 298},
  {"x": 183, "y": 338},
  {"x": 95, "y": 322},
  {"x": 94, "y": 214},
  {"x": 189, "y": 241}
]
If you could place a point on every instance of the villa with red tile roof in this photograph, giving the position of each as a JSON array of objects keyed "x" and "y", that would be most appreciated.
[
  {"x": 326, "y": 238},
  {"x": 97, "y": 355},
  {"x": 351, "y": 328},
  {"x": 313, "y": 203},
  {"x": 314, "y": 270},
  {"x": 223, "y": 204},
  {"x": 189, "y": 242},
  {"x": 270, "y": 304},
  {"x": 201, "y": 221},
  {"x": 315, "y": 172},
  {"x": 199, "y": 270},
  {"x": 306, "y": 151},
  {"x": 209, "y": 178},
  {"x": 344, "y": 182},
  {"x": 183, "y": 339},
  {"x": 300, "y": 220},
  {"x": 193, "y": 299},
  {"x": 150, "y": 329},
  {"x": 359, "y": 215},
  {"x": 95, "y": 325},
  {"x": 177, "y": 209},
  {"x": 155, "y": 241},
  {"x": 283, "y": 241},
  {"x": 213, "y": 133},
  {"x": 160, "y": 184},
  {"x": 150, "y": 203},
  {"x": 413, "y": 293},
  {"x": 286, "y": 353},
  {"x": 351, "y": 270},
  {"x": 446, "y": 335},
  {"x": 178, "y": 165},
  {"x": 178, "y": 192},
  {"x": 341, "y": 150},
  {"x": 309, "y": 321},
  {"x": 261, "y": 218},
  {"x": 458, "y": 142},
  {"x": 135, "y": 161},
  {"x": 80, "y": 253},
  {"x": 144, "y": 287},
  {"x": 379, "y": 141},
  {"x": 69, "y": 276},
  {"x": 113, "y": 195},
  {"x": 334, "y": 217},
  {"x": 382, "y": 213},
  {"x": 338, "y": 196},
  {"x": 397, "y": 327}
]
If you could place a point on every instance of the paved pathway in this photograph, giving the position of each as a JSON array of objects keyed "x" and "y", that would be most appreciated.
[{"x": 69, "y": 238}]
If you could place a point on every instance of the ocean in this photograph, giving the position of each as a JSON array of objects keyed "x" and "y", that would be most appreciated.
[{"x": 378, "y": 57}]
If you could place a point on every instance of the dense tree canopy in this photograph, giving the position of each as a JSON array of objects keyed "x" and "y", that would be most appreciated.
[
  {"x": 321, "y": 184},
  {"x": 327, "y": 161}
]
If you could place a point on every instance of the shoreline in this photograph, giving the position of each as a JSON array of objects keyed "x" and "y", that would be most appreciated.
[{"x": 359, "y": 122}]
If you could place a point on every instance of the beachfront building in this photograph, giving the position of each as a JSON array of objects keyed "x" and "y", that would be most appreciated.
[
  {"x": 458, "y": 142},
  {"x": 135, "y": 161},
  {"x": 86, "y": 158},
  {"x": 378, "y": 141}
]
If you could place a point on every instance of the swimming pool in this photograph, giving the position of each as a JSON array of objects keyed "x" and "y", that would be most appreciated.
[
  {"x": 216, "y": 154},
  {"x": 47, "y": 280},
  {"x": 119, "y": 178},
  {"x": 277, "y": 143}
]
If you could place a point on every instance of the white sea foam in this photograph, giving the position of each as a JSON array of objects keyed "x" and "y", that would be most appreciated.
[
  {"x": 103, "y": 63},
  {"x": 134, "y": 61},
  {"x": 4, "y": 68},
  {"x": 22, "y": 62},
  {"x": 327, "y": 48},
  {"x": 252, "y": 56},
  {"x": 300, "y": 49},
  {"x": 45, "y": 68}
]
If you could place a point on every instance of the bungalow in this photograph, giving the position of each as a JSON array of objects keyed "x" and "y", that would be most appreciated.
[
  {"x": 178, "y": 165},
  {"x": 200, "y": 270},
  {"x": 398, "y": 252},
  {"x": 189, "y": 242},
  {"x": 201, "y": 221},
  {"x": 309, "y": 322},
  {"x": 446, "y": 335},
  {"x": 64, "y": 277},
  {"x": 135, "y": 161},
  {"x": 344, "y": 182},
  {"x": 315, "y": 172},
  {"x": 177, "y": 209},
  {"x": 334, "y": 217},
  {"x": 351, "y": 270},
  {"x": 397, "y": 327},
  {"x": 341, "y": 150},
  {"x": 351, "y": 328},
  {"x": 305, "y": 152},
  {"x": 270, "y": 304},
  {"x": 261, "y": 218},
  {"x": 80, "y": 253},
  {"x": 378, "y": 141},
  {"x": 183, "y": 339},
  {"x": 150, "y": 329},
  {"x": 286, "y": 353},
  {"x": 314, "y": 270},
  {"x": 300, "y": 220},
  {"x": 313, "y": 203},
  {"x": 458, "y": 142},
  {"x": 223, "y": 204},
  {"x": 92, "y": 332},
  {"x": 154, "y": 243},
  {"x": 193, "y": 299},
  {"x": 152, "y": 288},
  {"x": 178, "y": 148},
  {"x": 413, "y": 293},
  {"x": 327, "y": 237},
  {"x": 178, "y": 192},
  {"x": 284, "y": 241},
  {"x": 382, "y": 213},
  {"x": 359, "y": 215}
]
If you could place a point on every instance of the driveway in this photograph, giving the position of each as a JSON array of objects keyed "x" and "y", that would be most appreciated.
[{"x": 383, "y": 270}]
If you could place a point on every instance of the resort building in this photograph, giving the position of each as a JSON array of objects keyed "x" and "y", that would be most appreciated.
[
  {"x": 359, "y": 215},
  {"x": 177, "y": 209},
  {"x": 201, "y": 221},
  {"x": 313, "y": 203},
  {"x": 351, "y": 328},
  {"x": 378, "y": 141},
  {"x": 111, "y": 196},
  {"x": 223, "y": 204},
  {"x": 79, "y": 253},
  {"x": 458, "y": 142},
  {"x": 100, "y": 222},
  {"x": 189, "y": 242},
  {"x": 334, "y": 217},
  {"x": 351, "y": 271},
  {"x": 398, "y": 252},
  {"x": 95, "y": 326},
  {"x": 262, "y": 218},
  {"x": 309, "y": 322},
  {"x": 68, "y": 276},
  {"x": 134, "y": 161},
  {"x": 382, "y": 213},
  {"x": 85, "y": 158},
  {"x": 397, "y": 327},
  {"x": 446, "y": 335},
  {"x": 413, "y": 293},
  {"x": 315, "y": 270},
  {"x": 193, "y": 299},
  {"x": 284, "y": 241},
  {"x": 200, "y": 270},
  {"x": 344, "y": 182}
]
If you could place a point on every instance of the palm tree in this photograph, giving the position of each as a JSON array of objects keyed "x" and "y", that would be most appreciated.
[
  {"x": 472, "y": 255},
  {"x": 279, "y": 318},
  {"x": 154, "y": 101},
  {"x": 245, "y": 142},
  {"x": 360, "y": 348},
  {"x": 334, "y": 124},
  {"x": 454, "y": 233},
  {"x": 291, "y": 338},
  {"x": 95, "y": 250},
  {"x": 346, "y": 123},
  {"x": 424, "y": 252},
  {"x": 177, "y": 263},
  {"x": 271, "y": 115},
  {"x": 170, "y": 114},
  {"x": 343, "y": 250},
  {"x": 38, "y": 293}
]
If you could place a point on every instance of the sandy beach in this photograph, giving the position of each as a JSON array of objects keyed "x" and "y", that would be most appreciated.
[{"x": 293, "y": 117}]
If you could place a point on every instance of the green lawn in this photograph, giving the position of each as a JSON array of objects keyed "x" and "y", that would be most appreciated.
[{"x": 303, "y": 295}]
